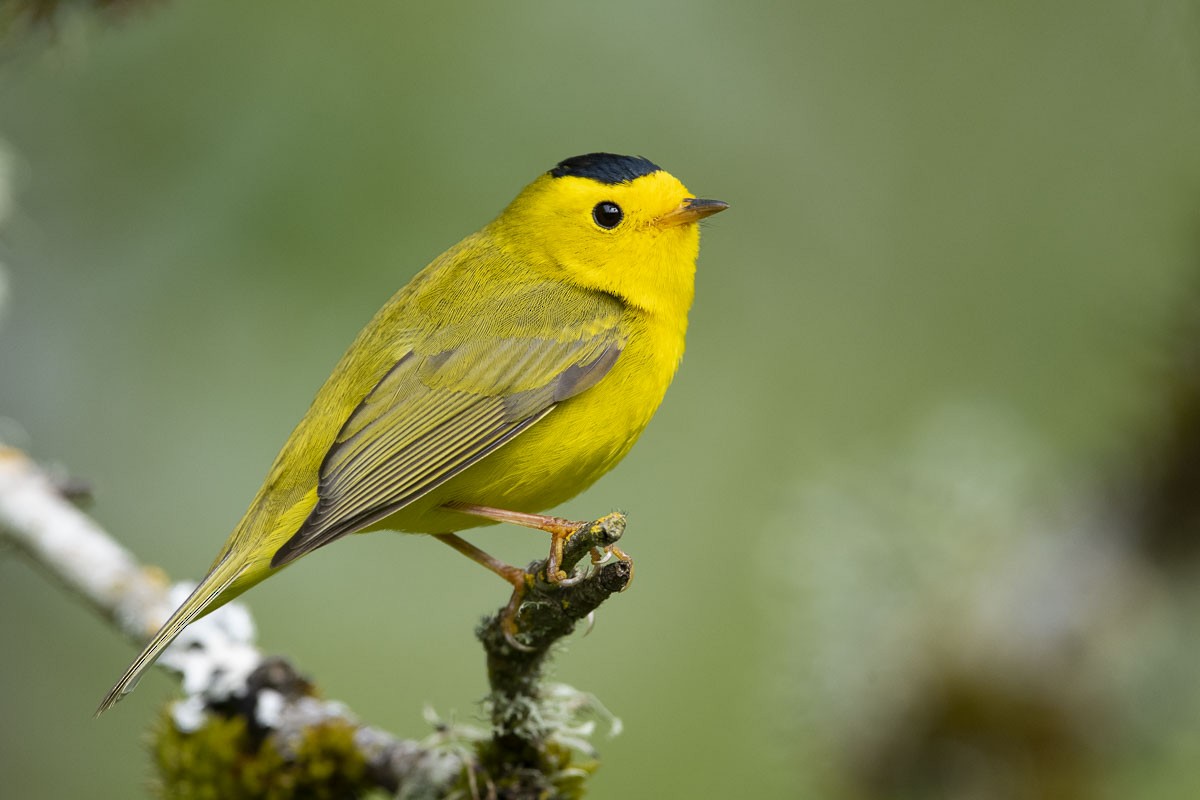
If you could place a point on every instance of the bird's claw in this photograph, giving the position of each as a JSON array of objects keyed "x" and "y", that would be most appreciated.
[
  {"x": 508, "y": 619},
  {"x": 551, "y": 573},
  {"x": 564, "y": 581},
  {"x": 600, "y": 555},
  {"x": 562, "y": 530}
]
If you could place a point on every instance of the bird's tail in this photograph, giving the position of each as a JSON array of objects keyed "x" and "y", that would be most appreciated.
[{"x": 204, "y": 598}]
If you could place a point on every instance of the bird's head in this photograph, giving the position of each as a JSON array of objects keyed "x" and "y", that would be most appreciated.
[{"x": 618, "y": 224}]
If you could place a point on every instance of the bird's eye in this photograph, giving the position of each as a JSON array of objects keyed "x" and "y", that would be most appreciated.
[{"x": 607, "y": 215}]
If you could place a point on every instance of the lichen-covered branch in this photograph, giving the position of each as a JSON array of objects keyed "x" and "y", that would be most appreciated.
[
  {"x": 523, "y": 752},
  {"x": 37, "y": 518},
  {"x": 252, "y": 726}
]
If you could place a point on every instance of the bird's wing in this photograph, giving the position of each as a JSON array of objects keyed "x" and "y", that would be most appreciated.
[{"x": 434, "y": 415}]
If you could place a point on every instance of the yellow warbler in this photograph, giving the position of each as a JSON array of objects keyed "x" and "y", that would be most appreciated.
[{"x": 505, "y": 378}]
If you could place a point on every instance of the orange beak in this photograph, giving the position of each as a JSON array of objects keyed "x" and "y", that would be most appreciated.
[{"x": 691, "y": 210}]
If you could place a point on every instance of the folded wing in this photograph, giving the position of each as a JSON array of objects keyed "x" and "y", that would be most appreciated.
[{"x": 434, "y": 415}]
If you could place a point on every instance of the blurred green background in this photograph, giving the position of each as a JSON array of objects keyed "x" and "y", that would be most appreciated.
[{"x": 938, "y": 314}]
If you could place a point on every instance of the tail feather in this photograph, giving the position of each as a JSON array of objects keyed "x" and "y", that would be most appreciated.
[{"x": 201, "y": 600}]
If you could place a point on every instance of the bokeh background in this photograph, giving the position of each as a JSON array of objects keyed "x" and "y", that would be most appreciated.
[{"x": 905, "y": 526}]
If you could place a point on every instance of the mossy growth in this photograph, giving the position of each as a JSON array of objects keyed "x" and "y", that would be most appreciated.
[
  {"x": 561, "y": 772},
  {"x": 569, "y": 769},
  {"x": 226, "y": 760}
]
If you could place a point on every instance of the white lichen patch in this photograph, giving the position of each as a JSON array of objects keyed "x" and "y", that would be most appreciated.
[
  {"x": 268, "y": 709},
  {"x": 215, "y": 654}
]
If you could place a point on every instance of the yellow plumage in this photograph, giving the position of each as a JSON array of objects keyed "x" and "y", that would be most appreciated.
[{"x": 511, "y": 373}]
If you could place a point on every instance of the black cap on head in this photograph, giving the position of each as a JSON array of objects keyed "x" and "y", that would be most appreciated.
[{"x": 605, "y": 167}]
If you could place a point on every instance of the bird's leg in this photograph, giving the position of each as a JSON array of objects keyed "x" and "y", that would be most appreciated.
[
  {"x": 559, "y": 529},
  {"x": 515, "y": 575}
]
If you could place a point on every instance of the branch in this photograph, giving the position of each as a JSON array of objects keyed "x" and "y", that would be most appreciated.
[
  {"x": 524, "y": 756},
  {"x": 249, "y": 724}
]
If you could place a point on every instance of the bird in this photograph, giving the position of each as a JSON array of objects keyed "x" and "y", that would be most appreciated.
[{"x": 506, "y": 377}]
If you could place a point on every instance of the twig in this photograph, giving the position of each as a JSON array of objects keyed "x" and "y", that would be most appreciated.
[{"x": 74, "y": 550}]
